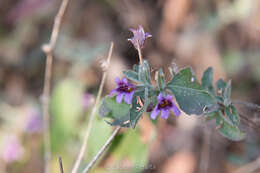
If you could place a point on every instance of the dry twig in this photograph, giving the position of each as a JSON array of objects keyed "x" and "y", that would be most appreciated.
[
  {"x": 61, "y": 166},
  {"x": 92, "y": 115},
  {"x": 48, "y": 50},
  {"x": 250, "y": 167},
  {"x": 101, "y": 151}
]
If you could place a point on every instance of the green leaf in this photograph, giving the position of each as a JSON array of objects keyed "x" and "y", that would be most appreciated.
[
  {"x": 160, "y": 79},
  {"x": 227, "y": 129},
  {"x": 232, "y": 114},
  {"x": 144, "y": 73},
  {"x": 221, "y": 84},
  {"x": 132, "y": 75},
  {"x": 66, "y": 108},
  {"x": 118, "y": 112},
  {"x": 207, "y": 81},
  {"x": 189, "y": 94},
  {"x": 98, "y": 136},
  {"x": 227, "y": 94},
  {"x": 136, "y": 114},
  {"x": 133, "y": 150}
]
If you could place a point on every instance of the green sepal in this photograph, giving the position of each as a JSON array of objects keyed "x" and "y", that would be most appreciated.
[{"x": 160, "y": 79}]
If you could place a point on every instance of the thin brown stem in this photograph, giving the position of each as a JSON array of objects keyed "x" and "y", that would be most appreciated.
[
  {"x": 140, "y": 55},
  {"x": 48, "y": 50},
  {"x": 92, "y": 115},
  {"x": 101, "y": 151}
]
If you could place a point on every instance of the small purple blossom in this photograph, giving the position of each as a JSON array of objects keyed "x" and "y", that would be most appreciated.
[
  {"x": 34, "y": 122},
  {"x": 123, "y": 89},
  {"x": 87, "y": 100},
  {"x": 11, "y": 149},
  {"x": 139, "y": 37},
  {"x": 164, "y": 105}
]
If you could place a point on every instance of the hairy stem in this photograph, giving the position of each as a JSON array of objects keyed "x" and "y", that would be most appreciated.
[
  {"x": 140, "y": 55},
  {"x": 101, "y": 151},
  {"x": 48, "y": 50},
  {"x": 92, "y": 115}
]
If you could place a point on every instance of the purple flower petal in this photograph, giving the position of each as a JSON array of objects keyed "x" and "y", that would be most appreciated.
[
  {"x": 112, "y": 92},
  {"x": 148, "y": 35},
  {"x": 160, "y": 97},
  {"x": 119, "y": 97},
  {"x": 117, "y": 80},
  {"x": 165, "y": 113},
  {"x": 169, "y": 97},
  {"x": 125, "y": 80},
  {"x": 139, "y": 37},
  {"x": 155, "y": 113},
  {"x": 128, "y": 97},
  {"x": 175, "y": 109}
]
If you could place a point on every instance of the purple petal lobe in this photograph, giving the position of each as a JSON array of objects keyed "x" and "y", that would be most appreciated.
[
  {"x": 119, "y": 97},
  {"x": 148, "y": 35},
  {"x": 175, "y": 109},
  {"x": 112, "y": 92},
  {"x": 160, "y": 97},
  {"x": 128, "y": 97},
  {"x": 125, "y": 80},
  {"x": 169, "y": 97},
  {"x": 165, "y": 113},
  {"x": 117, "y": 80},
  {"x": 155, "y": 113}
]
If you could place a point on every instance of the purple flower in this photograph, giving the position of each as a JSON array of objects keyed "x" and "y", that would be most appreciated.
[
  {"x": 34, "y": 122},
  {"x": 12, "y": 149},
  {"x": 87, "y": 100},
  {"x": 123, "y": 89},
  {"x": 164, "y": 105},
  {"x": 139, "y": 37}
]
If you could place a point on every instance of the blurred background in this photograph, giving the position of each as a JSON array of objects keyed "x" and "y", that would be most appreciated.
[{"x": 224, "y": 34}]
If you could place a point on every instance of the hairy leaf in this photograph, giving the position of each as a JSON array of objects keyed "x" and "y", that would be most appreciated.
[
  {"x": 207, "y": 81},
  {"x": 189, "y": 94},
  {"x": 227, "y": 129},
  {"x": 118, "y": 112}
]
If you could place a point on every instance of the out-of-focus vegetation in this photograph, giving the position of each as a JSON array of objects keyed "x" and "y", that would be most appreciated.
[{"x": 224, "y": 34}]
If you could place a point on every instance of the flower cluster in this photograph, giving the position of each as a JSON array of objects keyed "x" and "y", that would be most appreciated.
[{"x": 165, "y": 103}]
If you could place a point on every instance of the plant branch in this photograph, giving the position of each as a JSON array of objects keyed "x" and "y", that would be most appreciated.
[
  {"x": 61, "y": 166},
  {"x": 48, "y": 50},
  {"x": 101, "y": 151},
  {"x": 93, "y": 113},
  {"x": 250, "y": 167}
]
